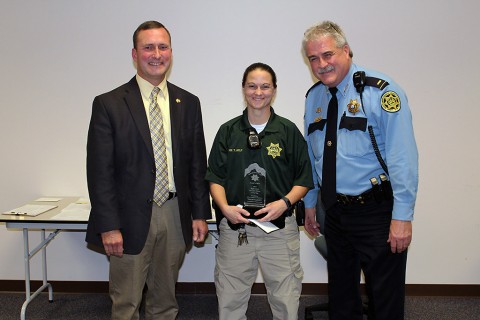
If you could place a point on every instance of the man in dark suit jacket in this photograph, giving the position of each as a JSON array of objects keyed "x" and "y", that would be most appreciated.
[{"x": 146, "y": 241}]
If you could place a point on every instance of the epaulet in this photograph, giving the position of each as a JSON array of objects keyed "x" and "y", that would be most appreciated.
[
  {"x": 316, "y": 84},
  {"x": 375, "y": 82}
]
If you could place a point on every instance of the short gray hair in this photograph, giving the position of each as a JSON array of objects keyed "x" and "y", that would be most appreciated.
[{"x": 326, "y": 29}]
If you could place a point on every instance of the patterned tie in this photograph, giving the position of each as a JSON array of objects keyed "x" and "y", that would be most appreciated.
[
  {"x": 329, "y": 169},
  {"x": 160, "y": 194}
]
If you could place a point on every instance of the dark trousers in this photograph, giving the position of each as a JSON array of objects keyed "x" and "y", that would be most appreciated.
[{"x": 356, "y": 238}]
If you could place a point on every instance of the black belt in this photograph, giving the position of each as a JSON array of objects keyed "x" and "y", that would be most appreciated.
[
  {"x": 171, "y": 195},
  {"x": 364, "y": 198},
  {"x": 287, "y": 213}
]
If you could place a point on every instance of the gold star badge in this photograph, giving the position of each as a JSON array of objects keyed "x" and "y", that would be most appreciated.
[
  {"x": 274, "y": 150},
  {"x": 178, "y": 100},
  {"x": 317, "y": 119},
  {"x": 353, "y": 106},
  {"x": 318, "y": 110}
]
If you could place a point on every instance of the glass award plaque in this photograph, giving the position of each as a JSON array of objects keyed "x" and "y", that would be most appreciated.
[{"x": 255, "y": 184}]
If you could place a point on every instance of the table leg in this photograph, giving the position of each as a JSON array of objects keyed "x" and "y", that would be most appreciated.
[{"x": 27, "y": 256}]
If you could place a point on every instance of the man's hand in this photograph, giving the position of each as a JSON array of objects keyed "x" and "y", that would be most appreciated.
[
  {"x": 113, "y": 243},
  {"x": 400, "y": 235},
  {"x": 311, "y": 226},
  {"x": 200, "y": 230}
]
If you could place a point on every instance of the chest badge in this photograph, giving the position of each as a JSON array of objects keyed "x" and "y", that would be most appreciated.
[
  {"x": 318, "y": 110},
  {"x": 353, "y": 106},
  {"x": 274, "y": 150}
]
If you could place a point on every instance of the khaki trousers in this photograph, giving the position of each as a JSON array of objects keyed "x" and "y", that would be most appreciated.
[
  {"x": 156, "y": 266},
  {"x": 277, "y": 254}
]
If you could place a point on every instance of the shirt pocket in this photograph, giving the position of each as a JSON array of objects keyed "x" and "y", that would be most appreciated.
[
  {"x": 353, "y": 137},
  {"x": 316, "y": 134}
]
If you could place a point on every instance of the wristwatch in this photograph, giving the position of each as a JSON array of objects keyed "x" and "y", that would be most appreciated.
[{"x": 287, "y": 202}]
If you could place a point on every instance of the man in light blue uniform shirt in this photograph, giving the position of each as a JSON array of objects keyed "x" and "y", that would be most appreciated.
[{"x": 368, "y": 227}]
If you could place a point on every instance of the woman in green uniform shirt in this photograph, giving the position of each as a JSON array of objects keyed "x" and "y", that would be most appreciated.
[{"x": 258, "y": 169}]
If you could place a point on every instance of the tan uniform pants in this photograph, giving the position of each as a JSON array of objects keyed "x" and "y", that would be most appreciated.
[{"x": 277, "y": 254}]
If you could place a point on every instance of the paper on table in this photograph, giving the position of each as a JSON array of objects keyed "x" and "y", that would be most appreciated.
[
  {"x": 48, "y": 199},
  {"x": 77, "y": 211},
  {"x": 30, "y": 210}
]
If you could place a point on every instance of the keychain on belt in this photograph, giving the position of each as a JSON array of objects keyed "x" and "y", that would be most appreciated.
[{"x": 242, "y": 236}]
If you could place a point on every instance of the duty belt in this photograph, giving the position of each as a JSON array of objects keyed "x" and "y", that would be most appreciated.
[{"x": 361, "y": 199}]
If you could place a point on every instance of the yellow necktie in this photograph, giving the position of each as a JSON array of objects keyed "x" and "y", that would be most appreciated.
[{"x": 157, "y": 134}]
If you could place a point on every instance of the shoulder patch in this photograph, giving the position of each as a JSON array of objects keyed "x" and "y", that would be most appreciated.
[
  {"x": 390, "y": 101},
  {"x": 316, "y": 84}
]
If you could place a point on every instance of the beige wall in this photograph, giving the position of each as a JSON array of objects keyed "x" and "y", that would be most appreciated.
[{"x": 57, "y": 55}]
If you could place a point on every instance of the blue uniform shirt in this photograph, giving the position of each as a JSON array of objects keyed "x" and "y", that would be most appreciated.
[{"x": 356, "y": 160}]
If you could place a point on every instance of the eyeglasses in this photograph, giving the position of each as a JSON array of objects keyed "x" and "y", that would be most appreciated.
[
  {"x": 254, "y": 87},
  {"x": 326, "y": 56}
]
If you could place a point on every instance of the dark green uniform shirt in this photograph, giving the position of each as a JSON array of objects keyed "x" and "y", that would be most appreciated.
[{"x": 283, "y": 154}]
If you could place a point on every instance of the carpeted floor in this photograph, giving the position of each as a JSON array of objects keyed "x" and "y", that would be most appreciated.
[{"x": 204, "y": 307}]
